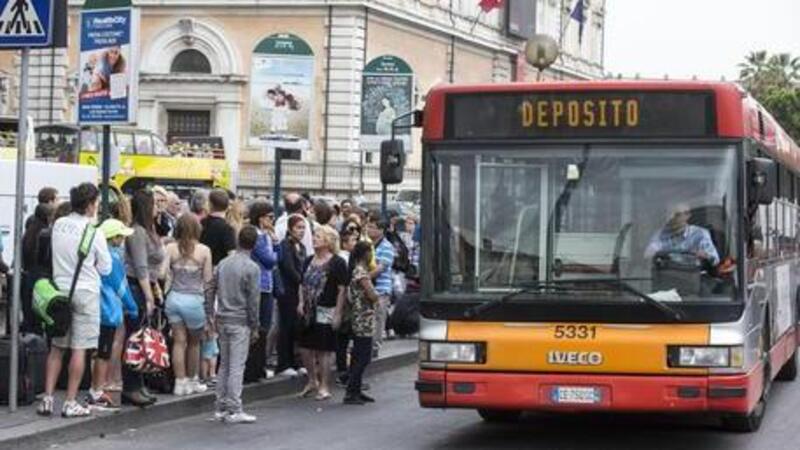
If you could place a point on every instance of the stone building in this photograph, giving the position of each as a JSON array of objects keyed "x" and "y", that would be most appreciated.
[{"x": 229, "y": 67}]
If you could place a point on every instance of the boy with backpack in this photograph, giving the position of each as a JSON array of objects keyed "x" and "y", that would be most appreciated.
[
  {"x": 80, "y": 257},
  {"x": 237, "y": 289},
  {"x": 115, "y": 295}
]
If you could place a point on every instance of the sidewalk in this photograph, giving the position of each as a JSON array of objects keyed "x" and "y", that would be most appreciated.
[{"x": 26, "y": 430}]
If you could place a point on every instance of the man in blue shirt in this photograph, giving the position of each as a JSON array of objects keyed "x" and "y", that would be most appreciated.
[
  {"x": 679, "y": 236},
  {"x": 382, "y": 275}
]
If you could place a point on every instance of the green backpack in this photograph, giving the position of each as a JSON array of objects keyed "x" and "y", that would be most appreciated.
[{"x": 53, "y": 306}]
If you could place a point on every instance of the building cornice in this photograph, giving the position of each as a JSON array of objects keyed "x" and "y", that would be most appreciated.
[{"x": 192, "y": 78}]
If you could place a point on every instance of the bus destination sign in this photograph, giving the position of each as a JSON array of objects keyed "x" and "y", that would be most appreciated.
[{"x": 565, "y": 115}]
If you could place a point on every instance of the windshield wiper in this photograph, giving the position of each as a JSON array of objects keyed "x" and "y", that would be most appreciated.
[
  {"x": 535, "y": 288},
  {"x": 543, "y": 287},
  {"x": 627, "y": 287}
]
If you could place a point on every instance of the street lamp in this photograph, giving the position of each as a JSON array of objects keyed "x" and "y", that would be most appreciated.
[{"x": 541, "y": 51}]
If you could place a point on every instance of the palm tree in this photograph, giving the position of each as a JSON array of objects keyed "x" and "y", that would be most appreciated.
[
  {"x": 786, "y": 68},
  {"x": 755, "y": 63},
  {"x": 761, "y": 72}
]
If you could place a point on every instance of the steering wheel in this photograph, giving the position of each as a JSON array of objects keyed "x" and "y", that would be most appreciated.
[{"x": 681, "y": 259}]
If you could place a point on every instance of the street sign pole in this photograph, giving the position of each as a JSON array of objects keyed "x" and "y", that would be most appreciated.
[
  {"x": 22, "y": 133},
  {"x": 276, "y": 189},
  {"x": 25, "y": 24},
  {"x": 106, "y": 175}
]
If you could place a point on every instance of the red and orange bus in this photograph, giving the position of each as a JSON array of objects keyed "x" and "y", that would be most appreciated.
[{"x": 607, "y": 246}]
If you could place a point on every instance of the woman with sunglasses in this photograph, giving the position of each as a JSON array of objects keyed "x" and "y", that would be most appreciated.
[{"x": 262, "y": 216}]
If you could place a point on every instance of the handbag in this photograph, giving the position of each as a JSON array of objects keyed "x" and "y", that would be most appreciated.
[
  {"x": 309, "y": 317},
  {"x": 146, "y": 350}
]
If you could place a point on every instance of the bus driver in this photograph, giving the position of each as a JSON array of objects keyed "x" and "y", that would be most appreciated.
[{"x": 678, "y": 236}]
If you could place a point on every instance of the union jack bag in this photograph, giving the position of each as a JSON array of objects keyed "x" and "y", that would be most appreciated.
[{"x": 146, "y": 351}]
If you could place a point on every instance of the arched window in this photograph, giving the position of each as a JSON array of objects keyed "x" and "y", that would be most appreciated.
[{"x": 190, "y": 61}]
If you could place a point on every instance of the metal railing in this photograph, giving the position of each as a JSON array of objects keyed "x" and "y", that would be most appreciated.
[{"x": 307, "y": 177}]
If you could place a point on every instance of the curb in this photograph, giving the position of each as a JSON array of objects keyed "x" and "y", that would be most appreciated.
[{"x": 171, "y": 408}]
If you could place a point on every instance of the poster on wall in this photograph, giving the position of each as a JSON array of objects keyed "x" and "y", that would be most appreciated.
[
  {"x": 387, "y": 91},
  {"x": 281, "y": 92},
  {"x": 108, "y": 81}
]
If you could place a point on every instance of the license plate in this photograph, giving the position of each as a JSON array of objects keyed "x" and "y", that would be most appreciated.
[{"x": 576, "y": 395}]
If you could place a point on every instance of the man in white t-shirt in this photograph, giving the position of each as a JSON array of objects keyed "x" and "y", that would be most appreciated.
[
  {"x": 84, "y": 330},
  {"x": 293, "y": 203}
]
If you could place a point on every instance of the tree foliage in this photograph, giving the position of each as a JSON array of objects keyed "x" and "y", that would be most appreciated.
[{"x": 774, "y": 80}]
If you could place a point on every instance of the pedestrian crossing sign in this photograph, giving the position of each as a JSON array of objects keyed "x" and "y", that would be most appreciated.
[{"x": 26, "y": 23}]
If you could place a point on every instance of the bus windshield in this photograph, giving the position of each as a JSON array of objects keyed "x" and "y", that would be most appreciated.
[{"x": 662, "y": 220}]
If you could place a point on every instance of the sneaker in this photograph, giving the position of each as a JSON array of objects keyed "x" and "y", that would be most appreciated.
[
  {"x": 103, "y": 402},
  {"x": 366, "y": 398},
  {"x": 45, "y": 407},
  {"x": 197, "y": 387},
  {"x": 211, "y": 382},
  {"x": 270, "y": 373},
  {"x": 75, "y": 409},
  {"x": 302, "y": 371},
  {"x": 289, "y": 373},
  {"x": 240, "y": 417},
  {"x": 219, "y": 416},
  {"x": 182, "y": 387}
]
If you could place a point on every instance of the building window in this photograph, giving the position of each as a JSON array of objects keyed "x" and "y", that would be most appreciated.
[
  {"x": 182, "y": 123},
  {"x": 190, "y": 61}
]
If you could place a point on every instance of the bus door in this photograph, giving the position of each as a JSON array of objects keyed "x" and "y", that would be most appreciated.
[{"x": 511, "y": 217}]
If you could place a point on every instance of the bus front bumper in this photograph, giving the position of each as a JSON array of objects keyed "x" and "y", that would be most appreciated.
[{"x": 559, "y": 392}]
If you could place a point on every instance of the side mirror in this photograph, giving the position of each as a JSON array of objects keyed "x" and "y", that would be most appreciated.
[
  {"x": 762, "y": 185},
  {"x": 393, "y": 161}
]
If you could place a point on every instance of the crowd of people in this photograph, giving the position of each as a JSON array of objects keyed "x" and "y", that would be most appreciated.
[{"x": 246, "y": 292}]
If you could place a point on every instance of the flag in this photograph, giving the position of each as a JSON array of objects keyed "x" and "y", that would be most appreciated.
[
  {"x": 488, "y": 5},
  {"x": 578, "y": 14}
]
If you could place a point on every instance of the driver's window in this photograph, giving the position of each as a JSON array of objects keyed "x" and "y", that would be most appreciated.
[{"x": 511, "y": 227}]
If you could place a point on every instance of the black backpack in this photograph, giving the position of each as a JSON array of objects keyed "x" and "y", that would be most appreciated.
[{"x": 402, "y": 259}]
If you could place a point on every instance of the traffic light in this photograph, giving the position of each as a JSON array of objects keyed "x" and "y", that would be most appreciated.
[{"x": 393, "y": 161}]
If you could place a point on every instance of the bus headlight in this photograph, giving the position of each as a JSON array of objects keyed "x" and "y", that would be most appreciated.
[
  {"x": 705, "y": 356},
  {"x": 452, "y": 352}
]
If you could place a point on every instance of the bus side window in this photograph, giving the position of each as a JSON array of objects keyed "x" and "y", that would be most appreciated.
[
  {"x": 124, "y": 142},
  {"x": 90, "y": 141},
  {"x": 144, "y": 145},
  {"x": 159, "y": 147}
]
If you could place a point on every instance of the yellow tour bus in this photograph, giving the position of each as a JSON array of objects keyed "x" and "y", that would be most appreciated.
[
  {"x": 144, "y": 157},
  {"x": 607, "y": 246}
]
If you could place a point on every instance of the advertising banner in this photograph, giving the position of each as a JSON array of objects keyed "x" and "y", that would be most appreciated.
[
  {"x": 387, "y": 91},
  {"x": 109, "y": 74},
  {"x": 281, "y": 92}
]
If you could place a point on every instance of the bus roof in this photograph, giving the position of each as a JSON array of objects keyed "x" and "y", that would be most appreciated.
[
  {"x": 76, "y": 127},
  {"x": 738, "y": 115}
]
